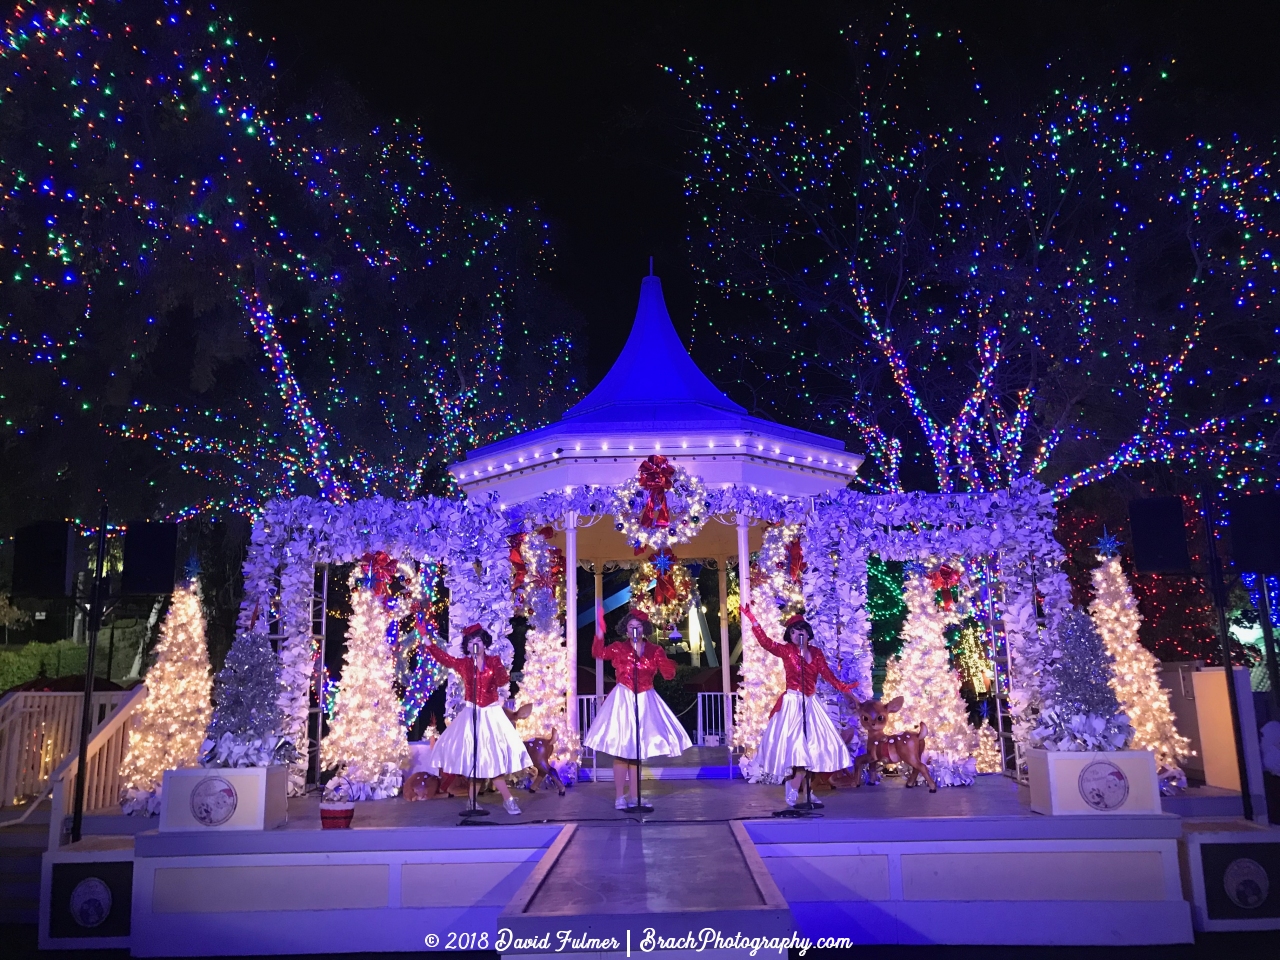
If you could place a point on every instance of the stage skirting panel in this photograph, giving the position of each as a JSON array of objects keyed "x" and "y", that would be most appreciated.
[
  {"x": 1015, "y": 880},
  {"x": 332, "y": 891}
]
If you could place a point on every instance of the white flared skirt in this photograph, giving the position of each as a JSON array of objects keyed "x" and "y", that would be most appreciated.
[
  {"x": 496, "y": 748},
  {"x": 614, "y": 729},
  {"x": 785, "y": 744}
]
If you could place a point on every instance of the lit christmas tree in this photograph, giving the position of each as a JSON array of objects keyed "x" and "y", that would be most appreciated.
[
  {"x": 367, "y": 740},
  {"x": 1133, "y": 674},
  {"x": 930, "y": 688},
  {"x": 1079, "y": 710},
  {"x": 988, "y": 756},
  {"x": 761, "y": 678},
  {"x": 544, "y": 682},
  {"x": 168, "y": 729},
  {"x": 245, "y": 730}
]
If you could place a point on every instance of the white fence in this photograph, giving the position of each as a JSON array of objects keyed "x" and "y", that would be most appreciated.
[
  {"x": 37, "y": 732},
  {"x": 711, "y": 719},
  {"x": 102, "y": 782}
]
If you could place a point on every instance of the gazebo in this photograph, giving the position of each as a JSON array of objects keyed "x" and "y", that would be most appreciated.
[
  {"x": 655, "y": 400},
  {"x": 765, "y": 493}
]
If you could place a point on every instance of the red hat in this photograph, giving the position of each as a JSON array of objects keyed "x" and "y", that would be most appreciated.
[
  {"x": 634, "y": 614},
  {"x": 472, "y": 630},
  {"x": 797, "y": 619}
]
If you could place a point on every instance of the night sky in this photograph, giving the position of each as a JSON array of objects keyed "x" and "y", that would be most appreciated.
[{"x": 564, "y": 104}]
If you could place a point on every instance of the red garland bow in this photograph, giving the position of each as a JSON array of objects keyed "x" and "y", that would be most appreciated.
[
  {"x": 655, "y": 476},
  {"x": 519, "y": 569},
  {"x": 664, "y": 587},
  {"x": 381, "y": 570},
  {"x": 795, "y": 561},
  {"x": 943, "y": 579}
]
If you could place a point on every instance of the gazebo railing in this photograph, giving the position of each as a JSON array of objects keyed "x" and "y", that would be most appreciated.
[{"x": 711, "y": 714}]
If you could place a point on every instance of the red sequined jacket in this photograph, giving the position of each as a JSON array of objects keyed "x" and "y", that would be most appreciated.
[
  {"x": 816, "y": 667},
  {"x": 620, "y": 653},
  {"x": 492, "y": 682}
]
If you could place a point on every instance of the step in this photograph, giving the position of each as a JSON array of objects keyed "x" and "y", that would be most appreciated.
[{"x": 678, "y": 877}]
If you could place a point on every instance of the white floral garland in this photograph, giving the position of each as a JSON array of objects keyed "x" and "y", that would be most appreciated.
[
  {"x": 840, "y": 532},
  {"x": 292, "y": 536}
]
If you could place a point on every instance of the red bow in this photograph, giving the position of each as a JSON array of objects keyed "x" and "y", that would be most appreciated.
[
  {"x": 655, "y": 476},
  {"x": 381, "y": 570},
  {"x": 943, "y": 579},
  {"x": 795, "y": 561},
  {"x": 519, "y": 569}
]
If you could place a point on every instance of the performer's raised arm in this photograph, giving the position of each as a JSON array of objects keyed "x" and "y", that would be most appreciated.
[
  {"x": 762, "y": 638},
  {"x": 439, "y": 655},
  {"x": 597, "y": 645}
]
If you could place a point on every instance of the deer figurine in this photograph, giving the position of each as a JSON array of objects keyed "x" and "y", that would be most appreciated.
[
  {"x": 906, "y": 747},
  {"x": 541, "y": 750}
]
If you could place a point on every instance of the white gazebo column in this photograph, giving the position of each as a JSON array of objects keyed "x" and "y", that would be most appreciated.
[
  {"x": 599, "y": 568},
  {"x": 744, "y": 575},
  {"x": 722, "y": 579},
  {"x": 571, "y": 616}
]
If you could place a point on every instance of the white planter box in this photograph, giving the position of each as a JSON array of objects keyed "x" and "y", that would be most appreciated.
[
  {"x": 1101, "y": 782},
  {"x": 224, "y": 798}
]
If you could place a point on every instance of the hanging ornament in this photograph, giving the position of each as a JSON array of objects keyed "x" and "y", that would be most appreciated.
[{"x": 661, "y": 506}]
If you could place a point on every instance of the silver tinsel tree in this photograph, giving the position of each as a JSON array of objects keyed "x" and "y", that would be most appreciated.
[
  {"x": 1079, "y": 710},
  {"x": 246, "y": 724}
]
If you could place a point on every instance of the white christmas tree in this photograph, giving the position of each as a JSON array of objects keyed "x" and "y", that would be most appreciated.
[
  {"x": 988, "y": 756},
  {"x": 930, "y": 688},
  {"x": 760, "y": 681},
  {"x": 168, "y": 729},
  {"x": 367, "y": 741},
  {"x": 1134, "y": 674},
  {"x": 544, "y": 682}
]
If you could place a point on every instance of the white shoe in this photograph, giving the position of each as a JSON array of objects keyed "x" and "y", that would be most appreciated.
[
  {"x": 622, "y": 803},
  {"x": 793, "y": 796},
  {"x": 510, "y": 807}
]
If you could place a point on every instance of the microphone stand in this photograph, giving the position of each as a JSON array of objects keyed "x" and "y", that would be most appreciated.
[
  {"x": 635, "y": 685},
  {"x": 806, "y": 807},
  {"x": 473, "y": 789}
]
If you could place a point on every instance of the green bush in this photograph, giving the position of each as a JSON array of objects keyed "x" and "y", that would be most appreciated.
[{"x": 60, "y": 659}]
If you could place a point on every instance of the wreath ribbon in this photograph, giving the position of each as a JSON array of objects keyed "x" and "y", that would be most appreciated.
[{"x": 655, "y": 476}]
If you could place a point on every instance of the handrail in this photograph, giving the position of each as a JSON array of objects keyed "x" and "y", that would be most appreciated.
[
  {"x": 107, "y": 746},
  {"x": 37, "y": 731}
]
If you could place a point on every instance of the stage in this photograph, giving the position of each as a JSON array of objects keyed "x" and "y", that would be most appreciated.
[{"x": 882, "y": 864}]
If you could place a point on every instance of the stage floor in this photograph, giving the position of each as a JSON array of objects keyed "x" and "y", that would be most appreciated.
[{"x": 689, "y": 801}]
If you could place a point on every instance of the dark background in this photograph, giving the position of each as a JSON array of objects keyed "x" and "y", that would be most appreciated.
[{"x": 564, "y": 104}]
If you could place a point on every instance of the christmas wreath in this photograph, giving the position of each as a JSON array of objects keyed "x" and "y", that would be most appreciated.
[
  {"x": 662, "y": 588},
  {"x": 661, "y": 506}
]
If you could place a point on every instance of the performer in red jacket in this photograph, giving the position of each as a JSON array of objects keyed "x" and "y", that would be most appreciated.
[
  {"x": 800, "y": 738},
  {"x": 494, "y": 750},
  {"x": 635, "y": 660}
]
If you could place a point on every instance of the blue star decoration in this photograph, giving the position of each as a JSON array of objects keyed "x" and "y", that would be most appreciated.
[
  {"x": 662, "y": 563},
  {"x": 1107, "y": 546}
]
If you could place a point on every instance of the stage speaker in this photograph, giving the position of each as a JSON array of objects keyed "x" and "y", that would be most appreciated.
[
  {"x": 1255, "y": 533},
  {"x": 150, "y": 554},
  {"x": 1158, "y": 536},
  {"x": 44, "y": 559}
]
